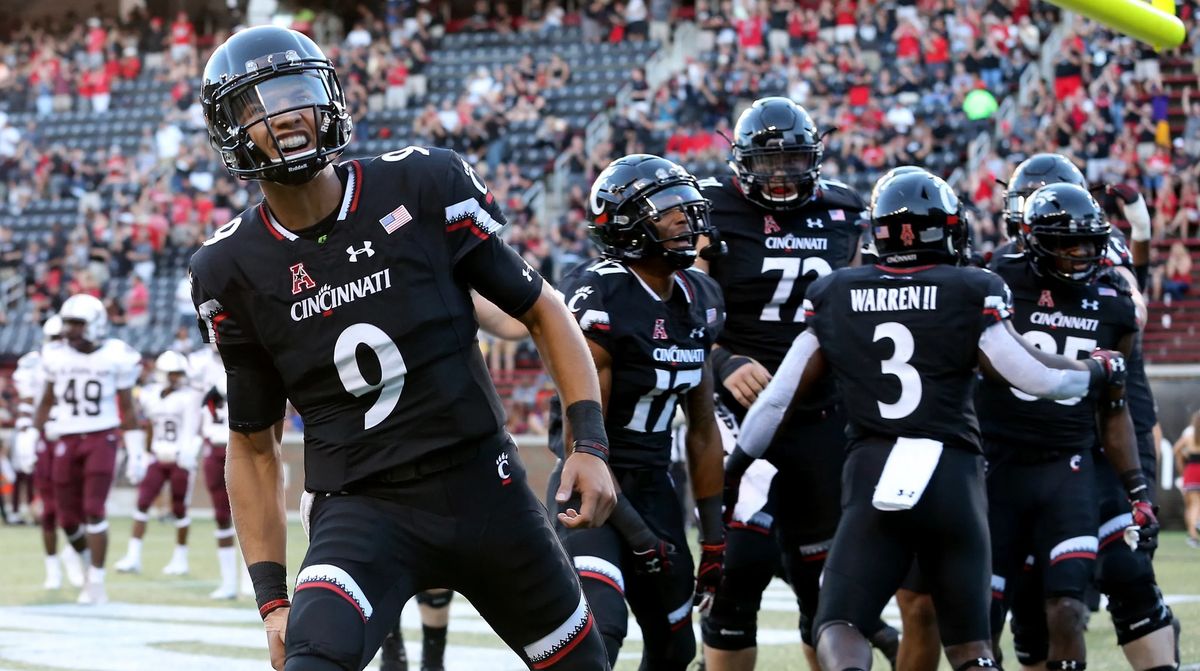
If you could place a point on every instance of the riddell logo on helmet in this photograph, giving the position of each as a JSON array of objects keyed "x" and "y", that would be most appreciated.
[{"x": 300, "y": 279}]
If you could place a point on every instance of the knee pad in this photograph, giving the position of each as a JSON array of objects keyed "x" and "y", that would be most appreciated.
[
  {"x": 436, "y": 599},
  {"x": 1068, "y": 612},
  {"x": 1031, "y": 643},
  {"x": 611, "y": 615},
  {"x": 730, "y": 624},
  {"x": 676, "y": 656},
  {"x": 1138, "y": 609},
  {"x": 328, "y": 618}
]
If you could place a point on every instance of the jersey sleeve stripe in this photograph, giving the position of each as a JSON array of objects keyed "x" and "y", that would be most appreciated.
[
  {"x": 266, "y": 220},
  {"x": 358, "y": 185},
  {"x": 351, "y": 191}
]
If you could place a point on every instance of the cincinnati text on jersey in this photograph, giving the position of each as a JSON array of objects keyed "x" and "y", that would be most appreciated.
[
  {"x": 674, "y": 354},
  {"x": 790, "y": 242},
  {"x": 327, "y": 299},
  {"x": 891, "y": 299},
  {"x": 1060, "y": 320}
]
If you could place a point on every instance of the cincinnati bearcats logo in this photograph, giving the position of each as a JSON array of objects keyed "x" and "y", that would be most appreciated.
[
  {"x": 502, "y": 469},
  {"x": 1074, "y": 463},
  {"x": 660, "y": 329},
  {"x": 906, "y": 235},
  {"x": 769, "y": 225},
  {"x": 300, "y": 279},
  {"x": 1046, "y": 301}
]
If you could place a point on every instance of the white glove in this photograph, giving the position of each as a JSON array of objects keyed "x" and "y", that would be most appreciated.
[
  {"x": 136, "y": 463},
  {"x": 306, "y": 504},
  {"x": 25, "y": 445},
  {"x": 188, "y": 459},
  {"x": 1138, "y": 217}
]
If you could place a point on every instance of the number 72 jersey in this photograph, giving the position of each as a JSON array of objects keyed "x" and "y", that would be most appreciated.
[{"x": 903, "y": 345}]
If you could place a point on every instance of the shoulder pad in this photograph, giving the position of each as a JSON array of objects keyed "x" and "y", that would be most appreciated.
[
  {"x": 608, "y": 267},
  {"x": 709, "y": 183},
  {"x": 838, "y": 194},
  {"x": 1113, "y": 280}
]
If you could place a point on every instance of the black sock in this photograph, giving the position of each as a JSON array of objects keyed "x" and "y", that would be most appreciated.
[{"x": 433, "y": 647}]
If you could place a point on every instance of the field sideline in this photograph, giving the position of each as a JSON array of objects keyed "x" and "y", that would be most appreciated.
[{"x": 156, "y": 622}]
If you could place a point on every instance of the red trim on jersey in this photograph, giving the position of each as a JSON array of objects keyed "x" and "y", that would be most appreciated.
[
  {"x": 993, "y": 312},
  {"x": 470, "y": 224},
  {"x": 682, "y": 623},
  {"x": 1082, "y": 554},
  {"x": 691, "y": 294},
  {"x": 336, "y": 590},
  {"x": 602, "y": 578},
  {"x": 557, "y": 657},
  {"x": 216, "y": 322},
  {"x": 1111, "y": 538},
  {"x": 599, "y": 327},
  {"x": 904, "y": 271},
  {"x": 358, "y": 173},
  {"x": 820, "y": 556},
  {"x": 998, "y": 595},
  {"x": 750, "y": 527},
  {"x": 266, "y": 220}
]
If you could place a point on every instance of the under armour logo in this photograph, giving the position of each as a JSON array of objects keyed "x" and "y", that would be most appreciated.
[
  {"x": 300, "y": 279},
  {"x": 1046, "y": 300},
  {"x": 815, "y": 223},
  {"x": 770, "y": 227},
  {"x": 698, "y": 333},
  {"x": 660, "y": 329},
  {"x": 1091, "y": 305},
  {"x": 527, "y": 272},
  {"x": 366, "y": 249}
]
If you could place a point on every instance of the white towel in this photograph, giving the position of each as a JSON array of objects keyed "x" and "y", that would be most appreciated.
[{"x": 906, "y": 473}]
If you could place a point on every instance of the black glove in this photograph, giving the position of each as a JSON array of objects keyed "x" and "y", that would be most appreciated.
[
  {"x": 654, "y": 560},
  {"x": 708, "y": 574},
  {"x": 1125, "y": 192},
  {"x": 1145, "y": 520}
]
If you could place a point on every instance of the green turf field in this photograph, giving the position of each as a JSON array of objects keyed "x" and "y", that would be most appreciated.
[{"x": 156, "y": 622}]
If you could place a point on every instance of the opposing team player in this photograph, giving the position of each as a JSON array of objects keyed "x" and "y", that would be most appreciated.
[
  {"x": 88, "y": 386},
  {"x": 346, "y": 292},
  {"x": 172, "y": 408},
  {"x": 33, "y": 455},
  {"x": 1042, "y": 498},
  {"x": 650, "y": 323},
  {"x": 784, "y": 227},
  {"x": 903, "y": 339}
]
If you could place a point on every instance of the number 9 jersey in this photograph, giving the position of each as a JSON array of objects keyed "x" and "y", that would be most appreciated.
[{"x": 367, "y": 327}]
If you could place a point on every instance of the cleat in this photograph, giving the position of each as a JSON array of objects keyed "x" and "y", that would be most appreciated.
[
  {"x": 223, "y": 593},
  {"x": 128, "y": 564}
]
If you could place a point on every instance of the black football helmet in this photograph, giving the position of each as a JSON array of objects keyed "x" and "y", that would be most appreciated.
[
  {"x": 1030, "y": 175},
  {"x": 916, "y": 219},
  {"x": 266, "y": 72},
  {"x": 898, "y": 170},
  {"x": 629, "y": 198},
  {"x": 777, "y": 154},
  {"x": 1065, "y": 233}
]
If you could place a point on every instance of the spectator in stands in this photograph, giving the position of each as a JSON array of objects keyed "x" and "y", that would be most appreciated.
[
  {"x": 183, "y": 41},
  {"x": 137, "y": 303},
  {"x": 1176, "y": 281}
]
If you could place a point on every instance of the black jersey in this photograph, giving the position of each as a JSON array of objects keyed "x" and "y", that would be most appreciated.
[
  {"x": 903, "y": 345},
  {"x": 658, "y": 350},
  {"x": 1061, "y": 318},
  {"x": 773, "y": 258},
  {"x": 370, "y": 328}
]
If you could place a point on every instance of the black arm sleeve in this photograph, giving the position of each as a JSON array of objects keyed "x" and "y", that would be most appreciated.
[
  {"x": 500, "y": 275},
  {"x": 256, "y": 396}
]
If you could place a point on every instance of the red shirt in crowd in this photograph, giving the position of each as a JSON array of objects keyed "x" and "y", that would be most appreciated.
[
  {"x": 937, "y": 50},
  {"x": 907, "y": 45},
  {"x": 181, "y": 30},
  {"x": 750, "y": 33}
]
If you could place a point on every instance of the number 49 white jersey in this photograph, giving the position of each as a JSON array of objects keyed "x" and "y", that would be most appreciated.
[
  {"x": 86, "y": 385},
  {"x": 175, "y": 419}
]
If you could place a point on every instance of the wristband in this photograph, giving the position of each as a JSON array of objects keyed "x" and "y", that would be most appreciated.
[
  {"x": 586, "y": 419},
  {"x": 712, "y": 528},
  {"x": 718, "y": 357},
  {"x": 270, "y": 586},
  {"x": 590, "y": 447},
  {"x": 1137, "y": 486}
]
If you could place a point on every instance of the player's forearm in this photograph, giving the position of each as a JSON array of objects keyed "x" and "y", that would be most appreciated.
[
  {"x": 1029, "y": 369},
  {"x": 1120, "y": 442},
  {"x": 563, "y": 350},
  {"x": 767, "y": 413},
  {"x": 42, "y": 413},
  {"x": 706, "y": 457},
  {"x": 254, "y": 476}
]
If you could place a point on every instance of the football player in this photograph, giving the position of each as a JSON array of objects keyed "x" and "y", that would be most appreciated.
[
  {"x": 346, "y": 292},
  {"x": 784, "y": 227},
  {"x": 1041, "y": 480},
  {"x": 1140, "y": 616},
  {"x": 88, "y": 386},
  {"x": 32, "y": 455},
  {"x": 903, "y": 339},
  {"x": 173, "y": 412},
  {"x": 650, "y": 322}
]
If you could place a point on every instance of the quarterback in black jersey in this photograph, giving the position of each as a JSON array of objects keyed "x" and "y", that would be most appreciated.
[
  {"x": 346, "y": 292},
  {"x": 650, "y": 322},
  {"x": 1041, "y": 478},
  {"x": 1125, "y": 574},
  {"x": 784, "y": 227},
  {"x": 903, "y": 339}
]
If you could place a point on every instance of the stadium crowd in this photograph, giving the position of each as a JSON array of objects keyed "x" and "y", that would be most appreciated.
[{"x": 887, "y": 79}]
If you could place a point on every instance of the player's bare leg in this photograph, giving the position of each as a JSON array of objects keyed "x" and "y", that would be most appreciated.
[
  {"x": 132, "y": 561},
  {"x": 1152, "y": 652},
  {"x": 920, "y": 649}
]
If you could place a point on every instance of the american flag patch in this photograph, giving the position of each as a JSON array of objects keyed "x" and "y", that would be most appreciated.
[
  {"x": 711, "y": 315},
  {"x": 395, "y": 219},
  {"x": 837, "y": 215},
  {"x": 1105, "y": 291},
  {"x": 881, "y": 232}
]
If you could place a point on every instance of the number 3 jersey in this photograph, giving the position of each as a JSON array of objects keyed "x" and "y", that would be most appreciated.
[
  {"x": 903, "y": 345},
  {"x": 1067, "y": 319},
  {"x": 658, "y": 350},
  {"x": 368, "y": 329},
  {"x": 773, "y": 258},
  {"x": 86, "y": 385}
]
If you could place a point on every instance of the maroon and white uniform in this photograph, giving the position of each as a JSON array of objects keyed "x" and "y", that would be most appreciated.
[
  {"x": 208, "y": 375},
  {"x": 87, "y": 422},
  {"x": 30, "y": 452},
  {"x": 174, "y": 416}
]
